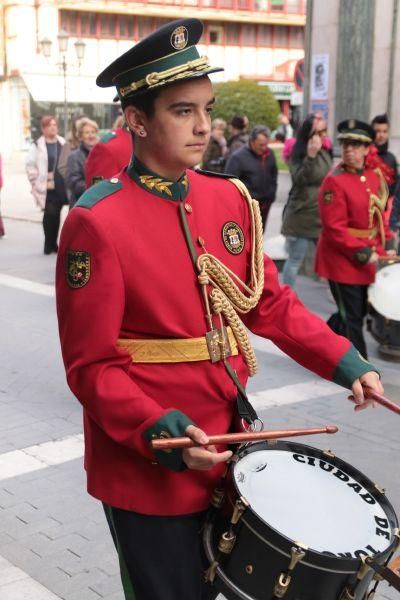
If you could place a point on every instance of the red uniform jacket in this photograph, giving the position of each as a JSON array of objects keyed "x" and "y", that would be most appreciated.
[
  {"x": 347, "y": 203},
  {"x": 139, "y": 282},
  {"x": 111, "y": 154}
]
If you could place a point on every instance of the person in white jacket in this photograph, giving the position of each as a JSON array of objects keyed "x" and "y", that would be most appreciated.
[{"x": 48, "y": 187}]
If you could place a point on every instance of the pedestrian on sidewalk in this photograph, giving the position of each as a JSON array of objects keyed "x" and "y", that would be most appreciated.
[
  {"x": 309, "y": 163},
  {"x": 2, "y": 231},
  {"x": 111, "y": 154},
  {"x": 214, "y": 156},
  {"x": 87, "y": 134},
  {"x": 48, "y": 187},
  {"x": 154, "y": 254},
  {"x": 381, "y": 126},
  {"x": 354, "y": 234},
  {"x": 239, "y": 137},
  {"x": 255, "y": 165}
]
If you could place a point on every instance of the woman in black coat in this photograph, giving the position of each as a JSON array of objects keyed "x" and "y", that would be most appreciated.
[{"x": 87, "y": 132}]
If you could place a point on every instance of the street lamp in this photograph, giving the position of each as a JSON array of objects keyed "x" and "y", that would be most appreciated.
[
  {"x": 63, "y": 39},
  {"x": 62, "y": 48}
]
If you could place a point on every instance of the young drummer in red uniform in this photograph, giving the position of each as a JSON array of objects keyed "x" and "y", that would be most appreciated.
[
  {"x": 354, "y": 234},
  {"x": 111, "y": 154},
  {"x": 149, "y": 270}
]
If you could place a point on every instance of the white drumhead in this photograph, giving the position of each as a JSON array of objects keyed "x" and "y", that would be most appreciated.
[
  {"x": 385, "y": 292},
  {"x": 327, "y": 510}
]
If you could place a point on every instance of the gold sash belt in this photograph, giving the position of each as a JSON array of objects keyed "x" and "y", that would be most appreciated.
[
  {"x": 172, "y": 350},
  {"x": 363, "y": 233}
]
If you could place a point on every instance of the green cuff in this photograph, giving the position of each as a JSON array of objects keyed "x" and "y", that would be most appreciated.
[
  {"x": 363, "y": 256},
  {"x": 351, "y": 366},
  {"x": 172, "y": 424}
]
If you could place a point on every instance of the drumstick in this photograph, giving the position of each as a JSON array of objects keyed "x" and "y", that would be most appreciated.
[
  {"x": 395, "y": 258},
  {"x": 372, "y": 395},
  {"x": 238, "y": 438}
]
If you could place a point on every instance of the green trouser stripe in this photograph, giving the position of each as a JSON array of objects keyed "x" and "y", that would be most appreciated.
[
  {"x": 126, "y": 580},
  {"x": 342, "y": 310}
]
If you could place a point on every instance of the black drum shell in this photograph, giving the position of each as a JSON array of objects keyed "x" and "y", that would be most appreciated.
[
  {"x": 385, "y": 331},
  {"x": 265, "y": 552}
]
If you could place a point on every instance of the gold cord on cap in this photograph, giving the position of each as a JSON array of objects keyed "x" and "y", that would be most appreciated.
[{"x": 156, "y": 78}]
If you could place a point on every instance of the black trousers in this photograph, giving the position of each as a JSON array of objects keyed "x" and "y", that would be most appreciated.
[
  {"x": 161, "y": 558},
  {"x": 265, "y": 205},
  {"x": 51, "y": 220},
  {"x": 351, "y": 301}
]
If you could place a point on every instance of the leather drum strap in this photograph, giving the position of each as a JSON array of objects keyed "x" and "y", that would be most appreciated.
[
  {"x": 244, "y": 407},
  {"x": 386, "y": 573}
]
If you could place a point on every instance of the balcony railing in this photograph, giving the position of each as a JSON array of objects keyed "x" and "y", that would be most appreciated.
[{"x": 277, "y": 7}]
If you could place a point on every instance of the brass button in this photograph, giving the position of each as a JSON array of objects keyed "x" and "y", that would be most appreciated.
[
  {"x": 188, "y": 208},
  {"x": 114, "y": 180},
  {"x": 363, "y": 178}
]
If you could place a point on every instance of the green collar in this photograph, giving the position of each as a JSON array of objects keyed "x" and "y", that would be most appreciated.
[
  {"x": 159, "y": 186},
  {"x": 352, "y": 170}
]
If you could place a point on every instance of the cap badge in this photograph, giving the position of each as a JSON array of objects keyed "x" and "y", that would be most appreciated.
[
  {"x": 233, "y": 237},
  {"x": 351, "y": 123},
  {"x": 179, "y": 38}
]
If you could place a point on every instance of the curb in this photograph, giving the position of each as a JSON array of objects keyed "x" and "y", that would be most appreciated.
[{"x": 23, "y": 219}]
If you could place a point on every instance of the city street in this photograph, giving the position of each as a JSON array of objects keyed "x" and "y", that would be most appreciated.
[{"x": 54, "y": 542}]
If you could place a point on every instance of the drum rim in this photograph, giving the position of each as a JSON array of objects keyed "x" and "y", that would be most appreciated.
[{"x": 313, "y": 558}]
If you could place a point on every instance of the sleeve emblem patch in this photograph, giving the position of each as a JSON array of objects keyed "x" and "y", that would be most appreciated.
[
  {"x": 327, "y": 197},
  {"x": 78, "y": 268},
  {"x": 233, "y": 238}
]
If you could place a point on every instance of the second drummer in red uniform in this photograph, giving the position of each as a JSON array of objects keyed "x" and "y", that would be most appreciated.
[
  {"x": 354, "y": 234},
  {"x": 159, "y": 269},
  {"x": 111, "y": 154}
]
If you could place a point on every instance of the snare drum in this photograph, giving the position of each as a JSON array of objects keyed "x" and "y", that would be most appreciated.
[
  {"x": 294, "y": 523},
  {"x": 384, "y": 310}
]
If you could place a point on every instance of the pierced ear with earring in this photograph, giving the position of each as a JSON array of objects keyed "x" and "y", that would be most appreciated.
[{"x": 141, "y": 132}]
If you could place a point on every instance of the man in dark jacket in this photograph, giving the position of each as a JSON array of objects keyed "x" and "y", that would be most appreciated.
[
  {"x": 381, "y": 126},
  {"x": 255, "y": 165},
  {"x": 238, "y": 138}
]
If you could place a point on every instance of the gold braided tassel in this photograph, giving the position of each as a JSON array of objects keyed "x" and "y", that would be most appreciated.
[
  {"x": 230, "y": 294},
  {"x": 221, "y": 304}
]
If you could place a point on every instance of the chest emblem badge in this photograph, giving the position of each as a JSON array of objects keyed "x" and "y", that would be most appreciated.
[
  {"x": 78, "y": 268},
  {"x": 233, "y": 238},
  {"x": 327, "y": 197}
]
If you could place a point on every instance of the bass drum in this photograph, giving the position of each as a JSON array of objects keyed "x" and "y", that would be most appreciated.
[
  {"x": 294, "y": 523},
  {"x": 384, "y": 310}
]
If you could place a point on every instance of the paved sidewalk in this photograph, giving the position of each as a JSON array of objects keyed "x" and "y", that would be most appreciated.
[
  {"x": 54, "y": 542},
  {"x": 16, "y": 199}
]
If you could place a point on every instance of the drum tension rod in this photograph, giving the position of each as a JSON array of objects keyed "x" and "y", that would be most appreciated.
[
  {"x": 227, "y": 539},
  {"x": 347, "y": 594},
  {"x": 285, "y": 578}
]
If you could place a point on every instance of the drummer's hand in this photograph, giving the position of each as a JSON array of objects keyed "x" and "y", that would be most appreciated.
[
  {"x": 370, "y": 379},
  {"x": 391, "y": 252},
  {"x": 202, "y": 458},
  {"x": 374, "y": 257}
]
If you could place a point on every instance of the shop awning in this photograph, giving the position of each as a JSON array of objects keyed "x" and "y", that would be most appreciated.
[{"x": 80, "y": 89}]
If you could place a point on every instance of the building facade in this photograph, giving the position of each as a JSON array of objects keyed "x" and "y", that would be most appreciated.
[
  {"x": 253, "y": 39},
  {"x": 353, "y": 61}
]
